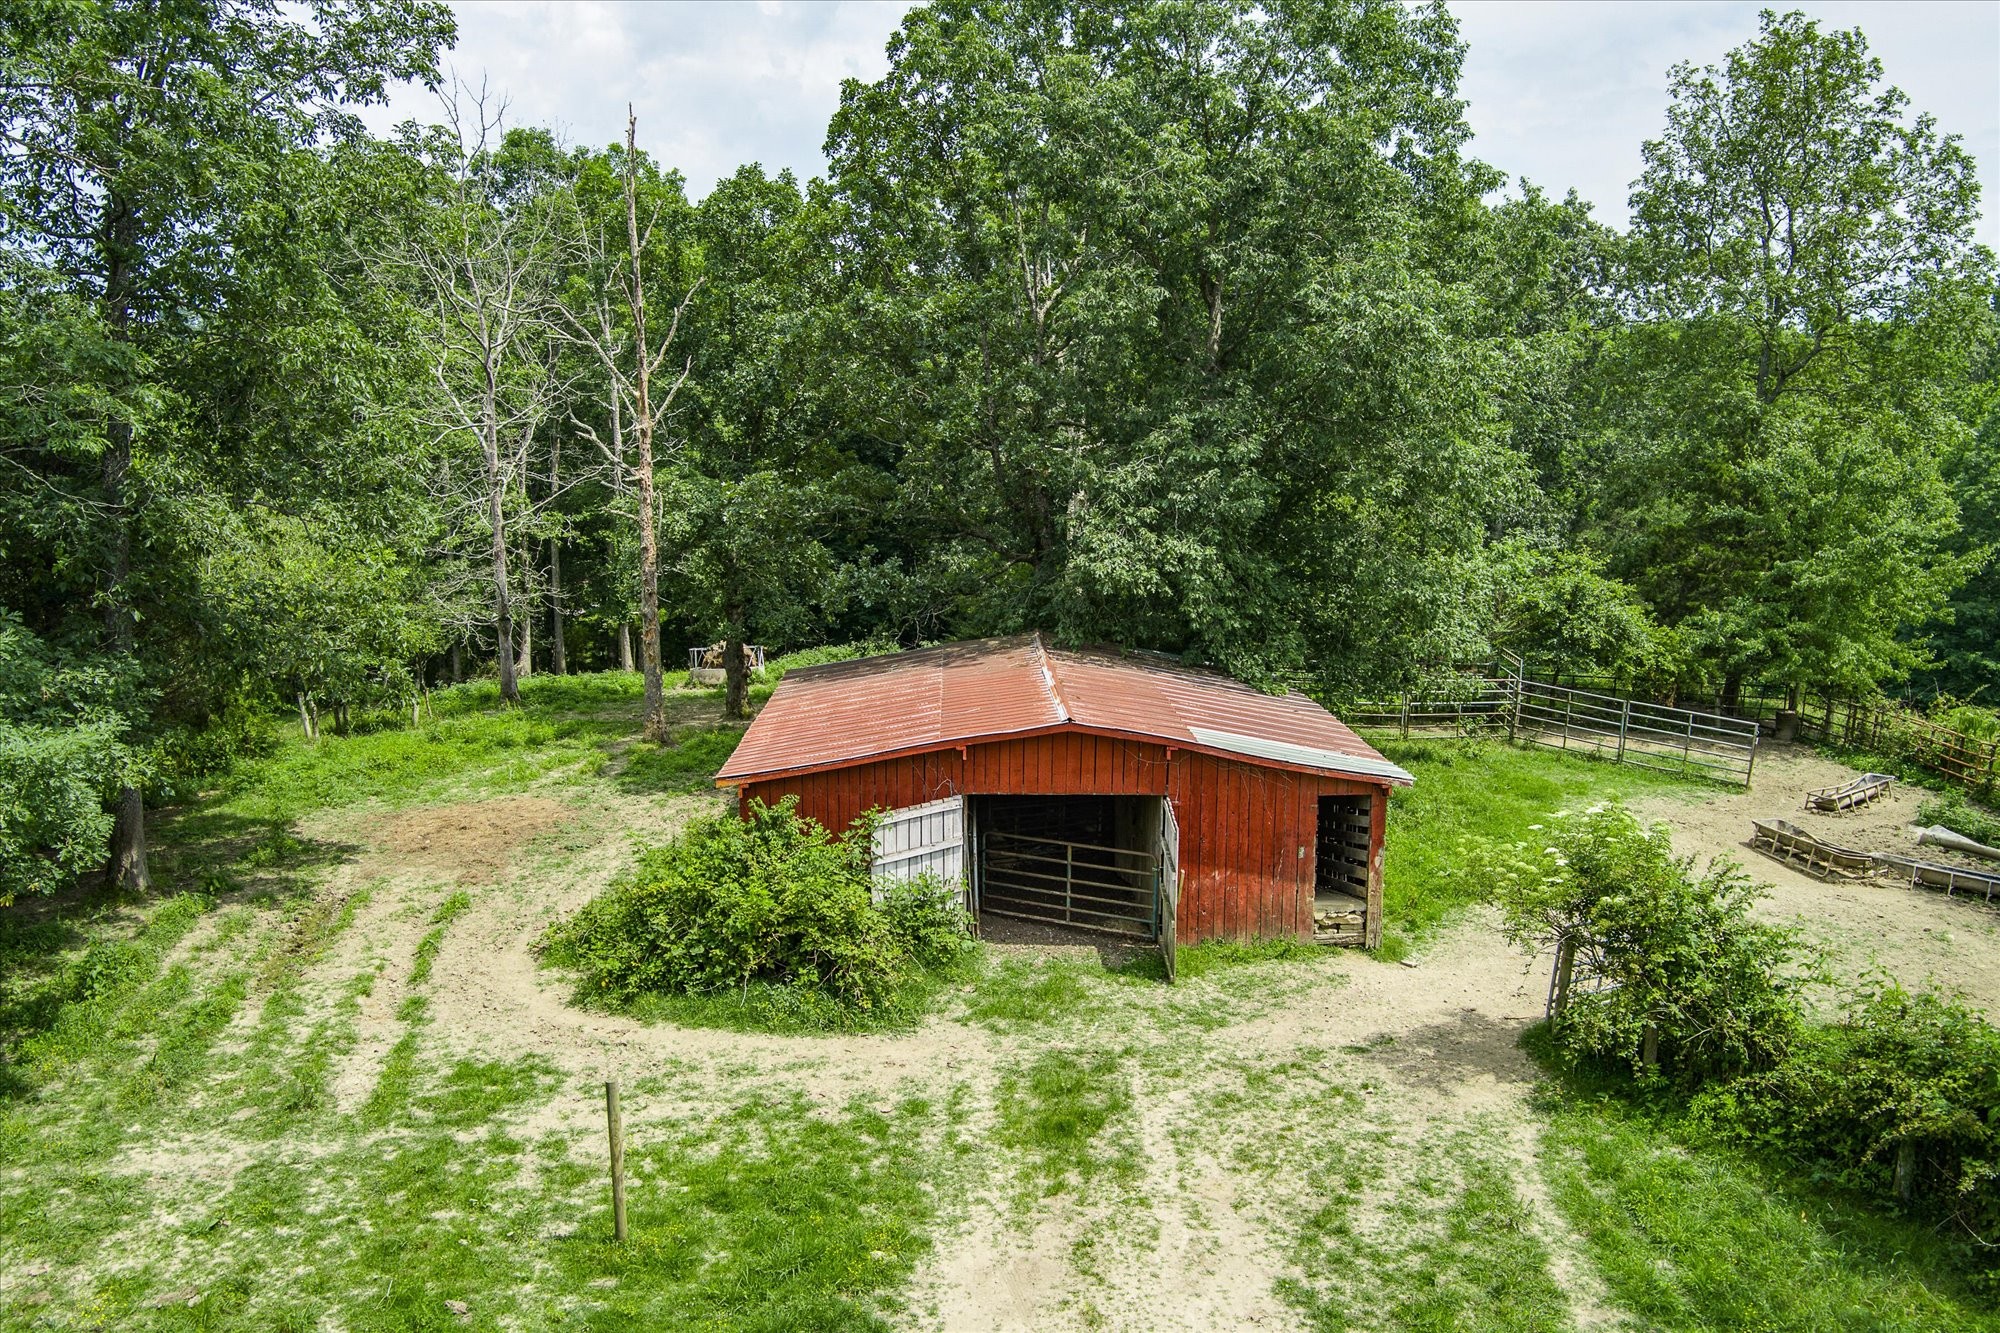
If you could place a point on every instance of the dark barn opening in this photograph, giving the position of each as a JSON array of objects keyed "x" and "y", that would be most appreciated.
[
  {"x": 1342, "y": 849},
  {"x": 1087, "y": 862}
]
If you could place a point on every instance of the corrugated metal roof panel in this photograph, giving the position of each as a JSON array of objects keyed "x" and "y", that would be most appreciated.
[
  {"x": 844, "y": 712},
  {"x": 1304, "y": 756},
  {"x": 849, "y": 712}
]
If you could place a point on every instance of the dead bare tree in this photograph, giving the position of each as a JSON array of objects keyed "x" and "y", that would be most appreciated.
[
  {"x": 630, "y": 363},
  {"x": 485, "y": 273}
]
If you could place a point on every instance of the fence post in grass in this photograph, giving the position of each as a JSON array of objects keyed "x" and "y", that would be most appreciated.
[
  {"x": 1565, "y": 967},
  {"x": 616, "y": 1124},
  {"x": 1406, "y": 715}
]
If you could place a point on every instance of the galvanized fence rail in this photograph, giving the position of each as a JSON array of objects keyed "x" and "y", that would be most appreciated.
[
  {"x": 1092, "y": 887},
  {"x": 1628, "y": 731}
]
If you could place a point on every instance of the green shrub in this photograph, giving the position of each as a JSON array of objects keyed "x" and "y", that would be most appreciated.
[
  {"x": 776, "y": 667},
  {"x": 54, "y": 782},
  {"x": 1674, "y": 951},
  {"x": 1952, "y": 810},
  {"x": 1981, "y": 724},
  {"x": 1898, "y": 1069},
  {"x": 182, "y": 760},
  {"x": 767, "y": 901}
]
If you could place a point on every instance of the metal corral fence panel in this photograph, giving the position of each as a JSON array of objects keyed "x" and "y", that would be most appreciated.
[
  {"x": 1486, "y": 709},
  {"x": 1673, "y": 740}
]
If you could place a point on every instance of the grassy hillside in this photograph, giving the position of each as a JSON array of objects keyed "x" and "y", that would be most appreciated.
[{"x": 320, "y": 1082}]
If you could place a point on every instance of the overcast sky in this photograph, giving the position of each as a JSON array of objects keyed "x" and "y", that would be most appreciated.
[{"x": 1559, "y": 91}]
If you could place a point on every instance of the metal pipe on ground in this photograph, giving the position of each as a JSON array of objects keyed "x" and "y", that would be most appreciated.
[{"x": 1939, "y": 836}]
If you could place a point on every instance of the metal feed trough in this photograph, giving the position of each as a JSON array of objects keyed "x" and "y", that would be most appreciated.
[
  {"x": 1952, "y": 879},
  {"x": 1787, "y": 842},
  {"x": 1849, "y": 795}
]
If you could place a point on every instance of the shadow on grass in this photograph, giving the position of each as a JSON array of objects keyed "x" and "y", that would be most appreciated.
[
  {"x": 1690, "y": 1232},
  {"x": 687, "y": 765}
]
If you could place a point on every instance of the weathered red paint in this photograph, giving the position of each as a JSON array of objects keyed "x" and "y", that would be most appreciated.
[{"x": 1242, "y": 824}]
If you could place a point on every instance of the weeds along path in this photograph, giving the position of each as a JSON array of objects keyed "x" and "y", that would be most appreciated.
[
  {"x": 356, "y": 1100},
  {"x": 1920, "y": 937}
]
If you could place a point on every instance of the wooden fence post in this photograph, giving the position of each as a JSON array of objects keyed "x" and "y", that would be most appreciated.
[
  {"x": 1565, "y": 968},
  {"x": 616, "y": 1124},
  {"x": 1406, "y": 715}
]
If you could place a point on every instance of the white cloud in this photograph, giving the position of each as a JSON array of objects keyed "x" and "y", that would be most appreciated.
[
  {"x": 1562, "y": 93},
  {"x": 715, "y": 85}
]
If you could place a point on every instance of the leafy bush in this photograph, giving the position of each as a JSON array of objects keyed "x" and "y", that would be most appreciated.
[
  {"x": 53, "y": 785},
  {"x": 776, "y": 667},
  {"x": 182, "y": 760},
  {"x": 1982, "y": 724},
  {"x": 62, "y": 754},
  {"x": 1898, "y": 1069},
  {"x": 1952, "y": 810},
  {"x": 1674, "y": 951},
  {"x": 771, "y": 901}
]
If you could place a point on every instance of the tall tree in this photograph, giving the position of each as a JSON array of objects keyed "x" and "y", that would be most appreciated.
[
  {"x": 606, "y": 313},
  {"x": 139, "y": 142},
  {"x": 1152, "y": 314},
  {"x": 484, "y": 269},
  {"x": 1803, "y": 254}
]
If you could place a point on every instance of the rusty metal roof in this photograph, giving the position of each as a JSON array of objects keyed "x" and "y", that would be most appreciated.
[{"x": 871, "y": 708}]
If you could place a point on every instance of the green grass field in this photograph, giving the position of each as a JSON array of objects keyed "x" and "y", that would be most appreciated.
[{"x": 244, "y": 1104}]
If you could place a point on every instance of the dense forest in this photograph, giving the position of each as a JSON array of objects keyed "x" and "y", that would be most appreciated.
[{"x": 1190, "y": 325}]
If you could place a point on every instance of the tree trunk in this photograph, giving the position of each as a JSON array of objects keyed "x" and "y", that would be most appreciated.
[
  {"x": 306, "y": 718},
  {"x": 125, "y": 871},
  {"x": 496, "y": 515},
  {"x": 558, "y": 655},
  {"x": 655, "y": 726},
  {"x": 1732, "y": 692},
  {"x": 524, "y": 664},
  {"x": 735, "y": 672},
  {"x": 624, "y": 646},
  {"x": 456, "y": 673},
  {"x": 125, "y": 863}
]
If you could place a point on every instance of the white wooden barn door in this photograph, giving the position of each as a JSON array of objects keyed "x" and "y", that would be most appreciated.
[{"x": 922, "y": 839}]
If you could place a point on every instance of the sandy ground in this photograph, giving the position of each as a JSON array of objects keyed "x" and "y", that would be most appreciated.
[
  {"x": 1918, "y": 936},
  {"x": 1416, "y": 1053}
]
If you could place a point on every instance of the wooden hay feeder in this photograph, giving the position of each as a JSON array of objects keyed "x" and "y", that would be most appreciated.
[
  {"x": 1787, "y": 842},
  {"x": 1849, "y": 795}
]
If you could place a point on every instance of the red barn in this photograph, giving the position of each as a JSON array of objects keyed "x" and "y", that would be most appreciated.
[{"x": 1115, "y": 792}]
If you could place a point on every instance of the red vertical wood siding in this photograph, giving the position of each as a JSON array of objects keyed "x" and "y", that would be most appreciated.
[{"x": 1242, "y": 824}]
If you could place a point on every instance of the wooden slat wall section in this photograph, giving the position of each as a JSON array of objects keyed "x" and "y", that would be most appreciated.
[
  {"x": 1378, "y": 820},
  {"x": 1241, "y": 829},
  {"x": 1056, "y": 765},
  {"x": 1241, "y": 824}
]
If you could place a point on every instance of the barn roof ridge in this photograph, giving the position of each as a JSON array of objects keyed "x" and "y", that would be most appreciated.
[{"x": 839, "y": 714}]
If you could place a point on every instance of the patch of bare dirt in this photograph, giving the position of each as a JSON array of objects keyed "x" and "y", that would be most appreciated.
[
  {"x": 472, "y": 841},
  {"x": 1918, "y": 936}
]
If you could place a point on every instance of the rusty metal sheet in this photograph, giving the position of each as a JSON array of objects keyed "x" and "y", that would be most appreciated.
[{"x": 899, "y": 703}]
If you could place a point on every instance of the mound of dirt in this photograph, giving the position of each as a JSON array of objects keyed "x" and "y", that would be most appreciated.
[{"x": 471, "y": 841}]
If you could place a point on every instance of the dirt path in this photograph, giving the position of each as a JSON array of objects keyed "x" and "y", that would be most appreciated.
[
  {"x": 1919, "y": 937},
  {"x": 1404, "y": 1057}
]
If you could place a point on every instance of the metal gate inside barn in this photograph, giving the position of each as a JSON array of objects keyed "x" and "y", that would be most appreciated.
[{"x": 1100, "y": 863}]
